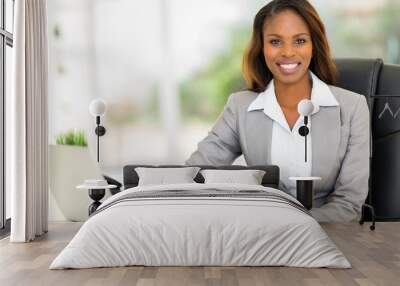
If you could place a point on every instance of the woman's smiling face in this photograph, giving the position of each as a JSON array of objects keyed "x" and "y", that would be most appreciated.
[{"x": 287, "y": 47}]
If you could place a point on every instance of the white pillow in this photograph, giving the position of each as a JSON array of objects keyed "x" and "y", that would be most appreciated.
[
  {"x": 248, "y": 177},
  {"x": 163, "y": 176}
]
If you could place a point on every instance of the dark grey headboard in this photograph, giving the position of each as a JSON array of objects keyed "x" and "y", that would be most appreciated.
[{"x": 270, "y": 179}]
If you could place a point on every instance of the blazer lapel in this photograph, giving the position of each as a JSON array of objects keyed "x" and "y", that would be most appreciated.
[
  {"x": 258, "y": 138},
  {"x": 325, "y": 132}
]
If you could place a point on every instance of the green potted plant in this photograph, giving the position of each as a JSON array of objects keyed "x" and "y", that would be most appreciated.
[
  {"x": 70, "y": 164},
  {"x": 72, "y": 138}
]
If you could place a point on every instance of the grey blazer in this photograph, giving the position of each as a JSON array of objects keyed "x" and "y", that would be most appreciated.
[{"x": 340, "y": 149}]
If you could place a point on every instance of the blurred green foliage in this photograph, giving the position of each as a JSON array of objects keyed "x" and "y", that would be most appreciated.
[
  {"x": 389, "y": 24},
  {"x": 204, "y": 95},
  {"x": 126, "y": 110},
  {"x": 72, "y": 138},
  {"x": 368, "y": 33}
]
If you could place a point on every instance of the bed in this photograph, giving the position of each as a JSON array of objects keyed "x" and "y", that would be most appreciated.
[{"x": 201, "y": 224}]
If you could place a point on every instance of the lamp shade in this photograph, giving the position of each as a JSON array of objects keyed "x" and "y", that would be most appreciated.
[
  {"x": 97, "y": 107},
  {"x": 305, "y": 107}
]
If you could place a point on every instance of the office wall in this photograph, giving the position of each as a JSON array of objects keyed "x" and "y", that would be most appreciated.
[{"x": 165, "y": 68}]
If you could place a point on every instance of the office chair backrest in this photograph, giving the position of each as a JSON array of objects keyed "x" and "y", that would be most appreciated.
[
  {"x": 389, "y": 80},
  {"x": 381, "y": 85},
  {"x": 359, "y": 75}
]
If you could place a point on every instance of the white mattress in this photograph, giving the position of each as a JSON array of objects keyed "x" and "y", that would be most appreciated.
[{"x": 200, "y": 231}]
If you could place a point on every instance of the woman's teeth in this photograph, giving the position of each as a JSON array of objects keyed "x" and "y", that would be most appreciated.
[
  {"x": 289, "y": 69},
  {"x": 289, "y": 66}
]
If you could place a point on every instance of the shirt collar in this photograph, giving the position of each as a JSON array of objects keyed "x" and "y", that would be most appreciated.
[
  {"x": 267, "y": 101},
  {"x": 321, "y": 95}
]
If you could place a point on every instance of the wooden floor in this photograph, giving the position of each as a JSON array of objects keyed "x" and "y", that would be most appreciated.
[{"x": 375, "y": 257}]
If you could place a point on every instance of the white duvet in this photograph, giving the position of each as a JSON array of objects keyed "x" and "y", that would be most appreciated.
[{"x": 200, "y": 231}]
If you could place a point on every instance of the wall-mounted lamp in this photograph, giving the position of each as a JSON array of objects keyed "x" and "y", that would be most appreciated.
[{"x": 97, "y": 108}]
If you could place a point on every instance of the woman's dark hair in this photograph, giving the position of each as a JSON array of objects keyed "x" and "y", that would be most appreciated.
[{"x": 255, "y": 70}]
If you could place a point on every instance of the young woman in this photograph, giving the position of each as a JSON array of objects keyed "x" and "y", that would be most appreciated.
[{"x": 288, "y": 60}]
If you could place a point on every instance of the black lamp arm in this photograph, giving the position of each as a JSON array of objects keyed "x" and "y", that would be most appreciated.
[{"x": 100, "y": 131}]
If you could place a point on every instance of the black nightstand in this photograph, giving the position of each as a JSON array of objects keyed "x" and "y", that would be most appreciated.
[{"x": 96, "y": 193}]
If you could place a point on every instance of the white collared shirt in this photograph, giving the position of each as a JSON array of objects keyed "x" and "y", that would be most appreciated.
[{"x": 287, "y": 146}]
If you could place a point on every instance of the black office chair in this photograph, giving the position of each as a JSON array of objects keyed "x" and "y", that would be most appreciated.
[
  {"x": 386, "y": 156},
  {"x": 377, "y": 81},
  {"x": 361, "y": 76}
]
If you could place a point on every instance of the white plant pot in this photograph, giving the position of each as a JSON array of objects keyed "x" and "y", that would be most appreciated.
[{"x": 69, "y": 166}]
